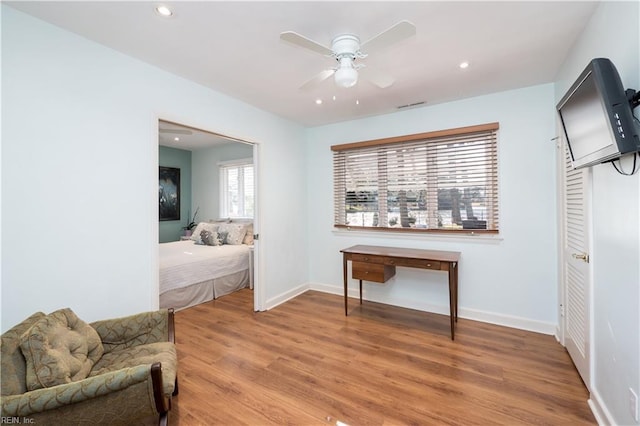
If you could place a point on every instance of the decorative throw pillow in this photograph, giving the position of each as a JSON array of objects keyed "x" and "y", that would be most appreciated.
[
  {"x": 13, "y": 367},
  {"x": 248, "y": 238},
  {"x": 222, "y": 237},
  {"x": 203, "y": 226},
  {"x": 59, "y": 348},
  {"x": 209, "y": 238},
  {"x": 235, "y": 232}
]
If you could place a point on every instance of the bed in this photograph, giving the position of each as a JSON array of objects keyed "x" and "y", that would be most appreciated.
[{"x": 194, "y": 272}]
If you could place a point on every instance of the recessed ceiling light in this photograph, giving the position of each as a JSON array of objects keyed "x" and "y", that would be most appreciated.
[
  {"x": 164, "y": 11},
  {"x": 357, "y": 102},
  {"x": 318, "y": 101},
  {"x": 464, "y": 65},
  {"x": 177, "y": 139},
  {"x": 334, "y": 97}
]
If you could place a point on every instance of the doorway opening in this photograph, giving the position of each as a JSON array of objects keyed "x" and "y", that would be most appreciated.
[{"x": 209, "y": 243}]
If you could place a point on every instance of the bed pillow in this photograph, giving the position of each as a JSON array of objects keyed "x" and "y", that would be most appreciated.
[
  {"x": 235, "y": 233},
  {"x": 59, "y": 348},
  {"x": 209, "y": 238},
  {"x": 248, "y": 224},
  {"x": 224, "y": 220},
  {"x": 203, "y": 226},
  {"x": 248, "y": 238},
  {"x": 222, "y": 237}
]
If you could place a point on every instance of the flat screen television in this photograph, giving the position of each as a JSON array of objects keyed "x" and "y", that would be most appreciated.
[{"x": 597, "y": 116}]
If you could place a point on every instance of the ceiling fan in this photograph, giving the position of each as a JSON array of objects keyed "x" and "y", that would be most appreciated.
[{"x": 346, "y": 49}]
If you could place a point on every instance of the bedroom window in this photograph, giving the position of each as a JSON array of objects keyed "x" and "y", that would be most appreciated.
[
  {"x": 236, "y": 189},
  {"x": 442, "y": 181}
]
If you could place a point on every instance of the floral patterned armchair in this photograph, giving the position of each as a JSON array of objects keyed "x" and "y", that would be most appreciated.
[{"x": 57, "y": 369}]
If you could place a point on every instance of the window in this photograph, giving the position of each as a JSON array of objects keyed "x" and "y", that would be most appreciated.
[
  {"x": 236, "y": 189},
  {"x": 444, "y": 181}
]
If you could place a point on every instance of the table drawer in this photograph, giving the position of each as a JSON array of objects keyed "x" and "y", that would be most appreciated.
[
  {"x": 396, "y": 261},
  {"x": 418, "y": 263},
  {"x": 368, "y": 258},
  {"x": 375, "y": 272}
]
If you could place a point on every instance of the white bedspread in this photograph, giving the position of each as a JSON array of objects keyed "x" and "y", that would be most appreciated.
[{"x": 183, "y": 263}]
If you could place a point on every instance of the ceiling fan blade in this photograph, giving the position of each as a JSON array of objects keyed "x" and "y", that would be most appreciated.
[
  {"x": 377, "y": 78},
  {"x": 177, "y": 131},
  {"x": 395, "y": 34},
  {"x": 302, "y": 41},
  {"x": 319, "y": 78}
]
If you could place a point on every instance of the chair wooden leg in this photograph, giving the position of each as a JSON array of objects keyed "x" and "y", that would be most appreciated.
[{"x": 163, "y": 419}]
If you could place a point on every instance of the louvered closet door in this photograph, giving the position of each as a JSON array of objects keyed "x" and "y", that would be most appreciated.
[{"x": 577, "y": 276}]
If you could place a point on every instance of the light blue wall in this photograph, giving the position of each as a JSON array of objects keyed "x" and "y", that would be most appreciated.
[
  {"x": 499, "y": 281},
  {"x": 57, "y": 88},
  {"x": 206, "y": 176},
  {"x": 613, "y": 33},
  {"x": 199, "y": 182},
  {"x": 170, "y": 230}
]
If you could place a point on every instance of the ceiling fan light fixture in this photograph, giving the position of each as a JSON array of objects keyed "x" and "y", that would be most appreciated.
[
  {"x": 345, "y": 48},
  {"x": 346, "y": 76}
]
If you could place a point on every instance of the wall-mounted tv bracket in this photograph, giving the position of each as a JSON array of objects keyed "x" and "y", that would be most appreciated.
[
  {"x": 634, "y": 100},
  {"x": 633, "y": 97}
]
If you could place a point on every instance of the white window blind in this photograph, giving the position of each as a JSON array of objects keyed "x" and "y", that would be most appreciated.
[
  {"x": 442, "y": 181},
  {"x": 236, "y": 189}
]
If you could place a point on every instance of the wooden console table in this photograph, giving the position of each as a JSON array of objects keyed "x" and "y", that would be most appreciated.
[{"x": 378, "y": 264}]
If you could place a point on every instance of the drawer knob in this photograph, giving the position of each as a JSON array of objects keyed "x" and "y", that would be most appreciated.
[
  {"x": 428, "y": 264},
  {"x": 366, "y": 258},
  {"x": 392, "y": 262}
]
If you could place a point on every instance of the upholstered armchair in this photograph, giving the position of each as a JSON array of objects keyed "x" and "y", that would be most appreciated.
[{"x": 57, "y": 369}]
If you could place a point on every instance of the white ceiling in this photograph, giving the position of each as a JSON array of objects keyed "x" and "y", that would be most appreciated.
[
  {"x": 234, "y": 47},
  {"x": 182, "y": 137}
]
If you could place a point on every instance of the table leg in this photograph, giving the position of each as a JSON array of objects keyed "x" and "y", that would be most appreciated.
[
  {"x": 455, "y": 269},
  {"x": 361, "y": 292},
  {"x": 344, "y": 270},
  {"x": 452, "y": 298}
]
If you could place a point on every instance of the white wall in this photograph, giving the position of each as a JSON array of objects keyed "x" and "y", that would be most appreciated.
[
  {"x": 79, "y": 173},
  {"x": 613, "y": 32},
  {"x": 509, "y": 280}
]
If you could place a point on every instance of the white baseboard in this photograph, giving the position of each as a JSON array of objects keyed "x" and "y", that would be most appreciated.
[
  {"x": 558, "y": 335},
  {"x": 472, "y": 314},
  {"x": 327, "y": 288},
  {"x": 281, "y": 298},
  {"x": 509, "y": 321},
  {"x": 599, "y": 409}
]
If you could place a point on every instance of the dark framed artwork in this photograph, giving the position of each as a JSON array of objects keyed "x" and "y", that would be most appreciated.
[{"x": 169, "y": 193}]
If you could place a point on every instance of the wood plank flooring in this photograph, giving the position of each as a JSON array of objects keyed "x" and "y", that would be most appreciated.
[{"x": 305, "y": 363}]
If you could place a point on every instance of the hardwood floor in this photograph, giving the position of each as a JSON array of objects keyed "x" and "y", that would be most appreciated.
[{"x": 305, "y": 363}]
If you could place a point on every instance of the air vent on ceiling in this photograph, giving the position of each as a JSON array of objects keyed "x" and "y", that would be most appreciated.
[{"x": 412, "y": 105}]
